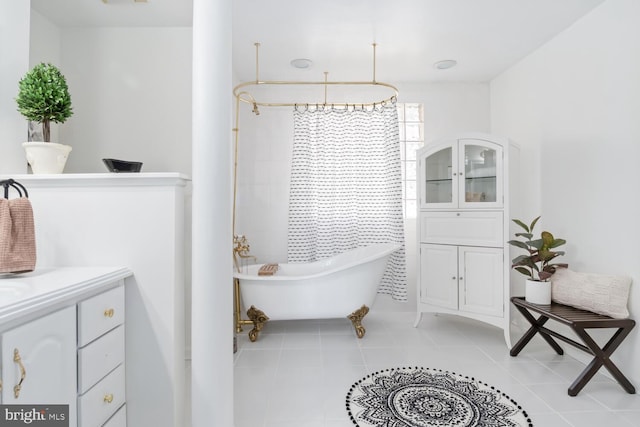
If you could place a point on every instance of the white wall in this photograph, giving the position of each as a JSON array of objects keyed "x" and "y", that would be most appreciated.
[
  {"x": 131, "y": 93},
  {"x": 14, "y": 45},
  {"x": 264, "y": 156},
  {"x": 45, "y": 40},
  {"x": 450, "y": 108},
  {"x": 140, "y": 109},
  {"x": 44, "y": 46},
  {"x": 573, "y": 106}
]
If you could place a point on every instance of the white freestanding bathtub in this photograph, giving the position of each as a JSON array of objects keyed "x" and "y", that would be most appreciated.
[{"x": 344, "y": 285}]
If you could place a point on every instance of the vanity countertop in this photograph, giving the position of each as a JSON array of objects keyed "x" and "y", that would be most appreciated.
[{"x": 49, "y": 288}]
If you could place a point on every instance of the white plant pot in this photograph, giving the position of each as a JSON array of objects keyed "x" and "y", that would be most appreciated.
[
  {"x": 537, "y": 292},
  {"x": 46, "y": 157}
]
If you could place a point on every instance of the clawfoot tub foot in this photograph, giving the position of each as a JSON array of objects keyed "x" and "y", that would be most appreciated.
[
  {"x": 259, "y": 319},
  {"x": 356, "y": 319}
]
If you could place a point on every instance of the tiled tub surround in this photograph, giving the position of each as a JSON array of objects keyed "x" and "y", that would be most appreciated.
[{"x": 298, "y": 373}]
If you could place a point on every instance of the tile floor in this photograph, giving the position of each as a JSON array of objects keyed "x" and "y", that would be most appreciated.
[{"x": 298, "y": 373}]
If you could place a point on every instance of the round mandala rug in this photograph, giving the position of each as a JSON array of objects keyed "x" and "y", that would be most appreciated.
[{"x": 423, "y": 397}]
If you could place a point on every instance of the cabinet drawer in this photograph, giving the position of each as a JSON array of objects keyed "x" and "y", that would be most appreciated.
[
  {"x": 100, "y": 314},
  {"x": 98, "y": 404},
  {"x": 119, "y": 419},
  {"x": 99, "y": 358},
  {"x": 462, "y": 228}
]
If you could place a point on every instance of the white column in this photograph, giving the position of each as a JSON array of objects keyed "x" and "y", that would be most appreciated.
[{"x": 212, "y": 290}]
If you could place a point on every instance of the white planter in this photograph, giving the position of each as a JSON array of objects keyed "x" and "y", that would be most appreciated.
[
  {"x": 537, "y": 292},
  {"x": 46, "y": 157}
]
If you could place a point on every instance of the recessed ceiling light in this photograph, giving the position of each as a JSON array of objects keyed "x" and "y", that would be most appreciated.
[
  {"x": 301, "y": 63},
  {"x": 446, "y": 64}
]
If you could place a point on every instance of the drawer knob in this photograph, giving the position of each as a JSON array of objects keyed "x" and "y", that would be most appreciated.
[
  {"x": 108, "y": 398},
  {"x": 109, "y": 312}
]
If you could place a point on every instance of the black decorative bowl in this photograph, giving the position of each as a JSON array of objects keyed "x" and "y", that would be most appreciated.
[{"x": 115, "y": 165}]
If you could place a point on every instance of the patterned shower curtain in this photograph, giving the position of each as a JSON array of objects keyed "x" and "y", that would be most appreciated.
[{"x": 346, "y": 186}]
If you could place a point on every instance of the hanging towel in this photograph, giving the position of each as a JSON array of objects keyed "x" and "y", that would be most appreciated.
[{"x": 17, "y": 236}]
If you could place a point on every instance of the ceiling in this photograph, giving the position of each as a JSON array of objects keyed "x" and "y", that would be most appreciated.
[{"x": 485, "y": 37}]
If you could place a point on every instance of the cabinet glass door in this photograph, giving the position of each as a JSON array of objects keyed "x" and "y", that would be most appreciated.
[
  {"x": 481, "y": 174},
  {"x": 438, "y": 177}
]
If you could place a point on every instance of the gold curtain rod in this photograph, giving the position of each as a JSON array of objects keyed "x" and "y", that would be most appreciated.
[
  {"x": 252, "y": 100},
  {"x": 325, "y": 83}
]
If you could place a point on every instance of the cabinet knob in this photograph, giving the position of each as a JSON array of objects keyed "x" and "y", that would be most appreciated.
[
  {"x": 453, "y": 278},
  {"x": 109, "y": 312},
  {"x": 108, "y": 398},
  {"x": 461, "y": 278}
]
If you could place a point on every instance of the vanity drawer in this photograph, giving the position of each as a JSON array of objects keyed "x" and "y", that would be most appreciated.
[
  {"x": 98, "y": 404},
  {"x": 119, "y": 419},
  {"x": 99, "y": 358},
  {"x": 462, "y": 228},
  {"x": 100, "y": 314}
]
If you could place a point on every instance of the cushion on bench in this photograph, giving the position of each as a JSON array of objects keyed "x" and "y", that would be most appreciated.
[{"x": 598, "y": 293}]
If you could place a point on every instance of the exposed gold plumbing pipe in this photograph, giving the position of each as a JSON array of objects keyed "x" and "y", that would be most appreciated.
[
  {"x": 235, "y": 155},
  {"x": 240, "y": 245}
]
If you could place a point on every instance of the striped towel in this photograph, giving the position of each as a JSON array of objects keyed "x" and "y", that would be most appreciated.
[{"x": 17, "y": 236}]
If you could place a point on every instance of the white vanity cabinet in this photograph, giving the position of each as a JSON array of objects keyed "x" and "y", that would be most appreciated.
[
  {"x": 39, "y": 362},
  {"x": 62, "y": 341},
  {"x": 465, "y": 188},
  {"x": 101, "y": 379}
]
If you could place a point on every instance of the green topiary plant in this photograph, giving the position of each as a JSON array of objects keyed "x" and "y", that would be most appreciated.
[
  {"x": 44, "y": 97},
  {"x": 536, "y": 265}
]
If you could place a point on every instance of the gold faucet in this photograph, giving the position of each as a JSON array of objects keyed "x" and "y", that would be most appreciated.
[
  {"x": 241, "y": 246},
  {"x": 240, "y": 250}
]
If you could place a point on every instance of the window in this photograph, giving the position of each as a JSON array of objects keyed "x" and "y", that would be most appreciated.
[{"x": 411, "y": 127}]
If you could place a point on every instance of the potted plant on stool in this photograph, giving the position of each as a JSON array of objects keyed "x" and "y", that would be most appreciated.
[
  {"x": 44, "y": 98},
  {"x": 536, "y": 264}
]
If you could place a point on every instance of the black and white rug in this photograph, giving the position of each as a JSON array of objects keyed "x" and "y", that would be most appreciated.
[{"x": 423, "y": 397}]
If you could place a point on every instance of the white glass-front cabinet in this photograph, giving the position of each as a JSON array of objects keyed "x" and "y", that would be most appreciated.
[
  {"x": 464, "y": 190},
  {"x": 461, "y": 173}
]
